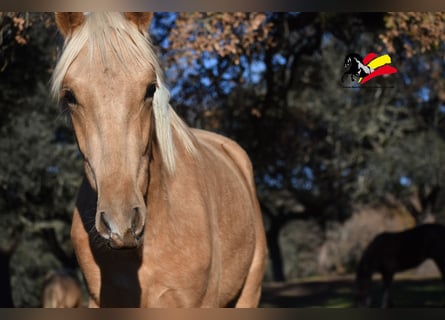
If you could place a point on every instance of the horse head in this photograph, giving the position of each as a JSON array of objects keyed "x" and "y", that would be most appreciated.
[{"x": 109, "y": 80}]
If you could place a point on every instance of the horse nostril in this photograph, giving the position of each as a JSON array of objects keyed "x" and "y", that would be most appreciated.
[
  {"x": 104, "y": 221},
  {"x": 137, "y": 221}
]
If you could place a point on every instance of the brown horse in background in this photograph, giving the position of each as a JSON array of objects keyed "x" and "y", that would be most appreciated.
[
  {"x": 391, "y": 252},
  {"x": 61, "y": 289},
  {"x": 167, "y": 215}
]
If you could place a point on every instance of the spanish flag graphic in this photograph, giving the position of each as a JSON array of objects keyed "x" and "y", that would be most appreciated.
[{"x": 379, "y": 64}]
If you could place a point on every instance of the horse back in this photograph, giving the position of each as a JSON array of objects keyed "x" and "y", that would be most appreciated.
[
  {"x": 223, "y": 147},
  {"x": 397, "y": 251}
]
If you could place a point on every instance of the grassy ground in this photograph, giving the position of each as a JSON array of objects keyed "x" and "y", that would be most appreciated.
[{"x": 407, "y": 291}]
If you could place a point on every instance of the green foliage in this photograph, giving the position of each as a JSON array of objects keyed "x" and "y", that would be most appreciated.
[
  {"x": 328, "y": 146},
  {"x": 39, "y": 161}
]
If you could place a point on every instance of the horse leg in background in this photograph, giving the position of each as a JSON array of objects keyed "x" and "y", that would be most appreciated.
[
  {"x": 387, "y": 278},
  {"x": 363, "y": 287}
]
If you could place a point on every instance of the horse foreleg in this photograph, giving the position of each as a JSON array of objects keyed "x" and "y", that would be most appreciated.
[
  {"x": 386, "y": 298},
  {"x": 92, "y": 303},
  {"x": 251, "y": 291}
]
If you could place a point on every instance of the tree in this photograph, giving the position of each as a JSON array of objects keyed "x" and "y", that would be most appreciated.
[
  {"x": 38, "y": 156},
  {"x": 280, "y": 97},
  {"x": 271, "y": 81}
]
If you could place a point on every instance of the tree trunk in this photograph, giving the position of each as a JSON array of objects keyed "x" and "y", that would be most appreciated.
[{"x": 274, "y": 250}]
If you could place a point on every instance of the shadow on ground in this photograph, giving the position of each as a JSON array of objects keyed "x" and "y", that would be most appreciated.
[{"x": 339, "y": 293}]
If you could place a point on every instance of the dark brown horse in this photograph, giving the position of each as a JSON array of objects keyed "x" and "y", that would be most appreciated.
[
  {"x": 167, "y": 215},
  {"x": 391, "y": 252}
]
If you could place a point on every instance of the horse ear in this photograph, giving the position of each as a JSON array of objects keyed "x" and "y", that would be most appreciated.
[
  {"x": 67, "y": 22},
  {"x": 141, "y": 19}
]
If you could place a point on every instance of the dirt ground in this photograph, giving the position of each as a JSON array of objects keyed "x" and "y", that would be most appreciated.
[{"x": 409, "y": 291}]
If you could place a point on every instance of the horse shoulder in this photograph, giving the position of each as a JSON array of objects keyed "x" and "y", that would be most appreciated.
[
  {"x": 229, "y": 149},
  {"x": 230, "y": 177},
  {"x": 246, "y": 247}
]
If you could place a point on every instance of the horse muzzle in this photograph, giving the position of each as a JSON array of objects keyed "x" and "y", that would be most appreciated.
[{"x": 122, "y": 228}]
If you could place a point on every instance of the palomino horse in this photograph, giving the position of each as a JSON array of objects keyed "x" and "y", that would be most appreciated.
[
  {"x": 167, "y": 215},
  {"x": 61, "y": 289},
  {"x": 391, "y": 252}
]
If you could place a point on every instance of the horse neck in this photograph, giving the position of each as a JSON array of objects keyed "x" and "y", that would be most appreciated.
[{"x": 158, "y": 173}]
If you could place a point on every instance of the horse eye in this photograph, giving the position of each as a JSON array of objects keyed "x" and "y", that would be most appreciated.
[
  {"x": 150, "y": 91},
  {"x": 68, "y": 98}
]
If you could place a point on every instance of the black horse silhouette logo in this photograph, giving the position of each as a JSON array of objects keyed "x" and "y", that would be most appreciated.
[
  {"x": 355, "y": 67},
  {"x": 364, "y": 69}
]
